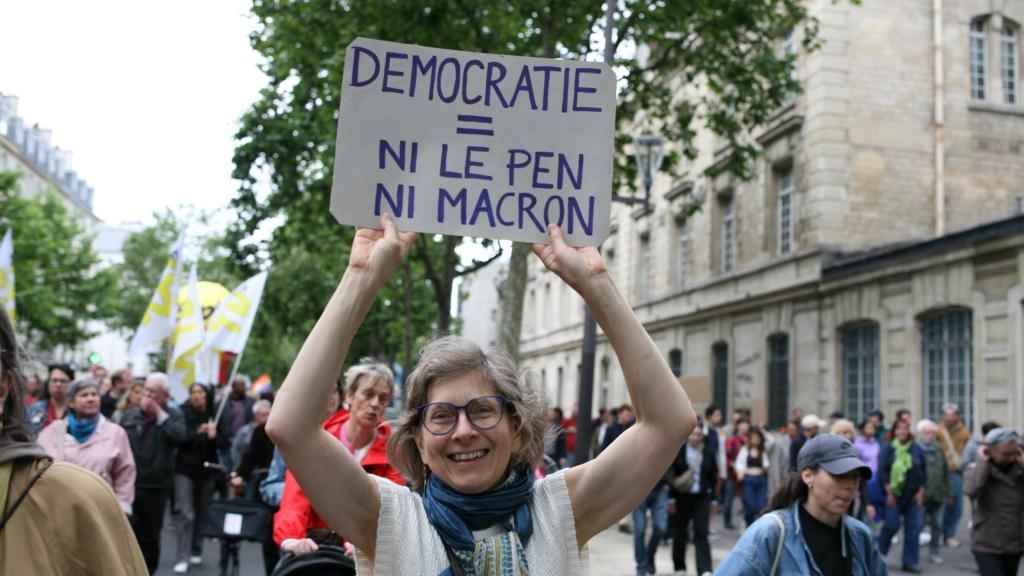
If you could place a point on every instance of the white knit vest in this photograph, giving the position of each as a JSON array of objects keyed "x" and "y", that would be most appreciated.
[{"x": 408, "y": 544}]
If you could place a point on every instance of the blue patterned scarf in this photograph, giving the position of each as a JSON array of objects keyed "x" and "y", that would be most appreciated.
[
  {"x": 82, "y": 428},
  {"x": 454, "y": 515}
]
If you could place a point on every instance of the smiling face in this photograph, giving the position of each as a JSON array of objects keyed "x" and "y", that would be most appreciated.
[
  {"x": 468, "y": 459},
  {"x": 367, "y": 404}
]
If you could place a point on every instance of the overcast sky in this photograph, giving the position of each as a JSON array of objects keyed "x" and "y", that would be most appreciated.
[{"x": 146, "y": 94}]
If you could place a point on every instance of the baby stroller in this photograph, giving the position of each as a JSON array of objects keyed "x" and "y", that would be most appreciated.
[
  {"x": 232, "y": 521},
  {"x": 327, "y": 561}
]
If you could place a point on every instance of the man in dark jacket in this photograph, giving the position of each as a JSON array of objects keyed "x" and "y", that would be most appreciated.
[
  {"x": 237, "y": 414},
  {"x": 155, "y": 429},
  {"x": 995, "y": 483}
]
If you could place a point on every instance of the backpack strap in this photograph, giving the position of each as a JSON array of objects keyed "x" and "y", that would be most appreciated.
[
  {"x": 5, "y": 483},
  {"x": 778, "y": 548},
  {"x": 21, "y": 497}
]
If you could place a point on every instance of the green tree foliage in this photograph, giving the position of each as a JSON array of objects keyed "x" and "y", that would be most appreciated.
[
  {"x": 731, "y": 48},
  {"x": 58, "y": 283},
  {"x": 145, "y": 255}
]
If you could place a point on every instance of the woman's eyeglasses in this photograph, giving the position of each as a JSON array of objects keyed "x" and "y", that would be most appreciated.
[{"x": 484, "y": 413}]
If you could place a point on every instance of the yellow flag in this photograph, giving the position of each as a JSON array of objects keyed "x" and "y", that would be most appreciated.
[
  {"x": 188, "y": 339},
  {"x": 7, "y": 274},
  {"x": 232, "y": 321},
  {"x": 158, "y": 321}
]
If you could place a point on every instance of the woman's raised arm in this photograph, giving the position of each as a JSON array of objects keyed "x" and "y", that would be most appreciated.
[
  {"x": 342, "y": 493},
  {"x": 607, "y": 488}
]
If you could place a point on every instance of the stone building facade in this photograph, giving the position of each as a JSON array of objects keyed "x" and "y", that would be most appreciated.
[
  {"x": 874, "y": 259},
  {"x": 28, "y": 151}
]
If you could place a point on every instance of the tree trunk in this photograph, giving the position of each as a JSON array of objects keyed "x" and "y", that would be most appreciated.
[
  {"x": 407, "y": 333},
  {"x": 513, "y": 290}
]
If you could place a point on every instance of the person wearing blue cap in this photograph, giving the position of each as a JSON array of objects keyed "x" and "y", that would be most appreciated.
[{"x": 806, "y": 529}]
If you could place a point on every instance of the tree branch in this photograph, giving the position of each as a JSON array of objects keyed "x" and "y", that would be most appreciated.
[{"x": 478, "y": 264}]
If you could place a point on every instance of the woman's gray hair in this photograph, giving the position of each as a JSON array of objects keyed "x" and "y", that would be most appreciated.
[
  {"x": 1002, "y": 435},
  {"x": 451, "y": 356},
  {"x": 375, "y": 369},
  {"x": 81, "y": 384}
]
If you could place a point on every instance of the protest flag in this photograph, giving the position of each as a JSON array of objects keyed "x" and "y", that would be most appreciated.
[
  {"x": 188, "y": 339},
  {"x": 7, "y": 274},
  {"x": 158, "y": 321},
  {"x": 232, "y": 321}
]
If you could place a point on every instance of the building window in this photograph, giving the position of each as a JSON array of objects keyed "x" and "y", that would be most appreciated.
[
  {"x": 720, "y": 375},
  {"x": 860, "y": 370},
  {"x": 785, "y": 216},
  {"x": 559, "y": 387},
  {"x": 606, "y": 374},
  {"x": 675, "y": 361},
  {"x": 728, "y": 235},
  {"x": 1010, "y": 58},
  {"x": 948, "y": 371},
  {"x": 683, "y": 259},
  {"x": 531, "y": 319},
  {"x": 778, "y": 380},
  {"x": 609, "y": 255},
  {"x": 978, "y": 60},
  {"x": 645, "y": 276}
]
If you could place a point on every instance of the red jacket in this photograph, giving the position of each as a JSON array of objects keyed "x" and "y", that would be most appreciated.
[{"x": 296, "y": 514}]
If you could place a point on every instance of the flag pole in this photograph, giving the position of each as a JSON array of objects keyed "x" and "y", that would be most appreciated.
[{"x": 231, "y": 379}]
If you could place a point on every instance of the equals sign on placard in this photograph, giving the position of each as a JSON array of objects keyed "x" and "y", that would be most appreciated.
[{"x": 477, "y": 125}]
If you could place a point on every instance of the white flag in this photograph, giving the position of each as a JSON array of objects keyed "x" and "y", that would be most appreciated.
[
  {"x": 188, "y": 339},
  {"x": 158, "y": 321},
  {"x": 232, "y": 321},
  {"x": 7, "y": 274}
]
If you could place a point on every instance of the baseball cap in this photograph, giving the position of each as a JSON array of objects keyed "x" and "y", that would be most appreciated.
[{"x": 833, "y": 453}]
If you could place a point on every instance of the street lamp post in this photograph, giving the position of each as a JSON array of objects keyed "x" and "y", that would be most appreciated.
[{"x": 649, "y": 155}]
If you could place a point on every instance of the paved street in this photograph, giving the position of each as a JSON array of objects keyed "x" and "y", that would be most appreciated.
[{"x": 611, "y": 554}]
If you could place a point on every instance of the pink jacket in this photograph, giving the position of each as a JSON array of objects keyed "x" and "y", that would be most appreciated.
[{"x": 107, "y": 453}]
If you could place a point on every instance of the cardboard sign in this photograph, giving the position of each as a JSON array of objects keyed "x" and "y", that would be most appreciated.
[{"x": 474, "y": 144}]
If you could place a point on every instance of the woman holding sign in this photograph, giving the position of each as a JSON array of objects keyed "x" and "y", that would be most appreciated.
[{"x": 472, "y": 435}]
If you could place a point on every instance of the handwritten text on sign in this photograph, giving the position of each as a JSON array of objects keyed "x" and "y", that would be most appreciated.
[{"x": 474, "y": 144}]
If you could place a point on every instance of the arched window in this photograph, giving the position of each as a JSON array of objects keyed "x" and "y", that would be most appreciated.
[
  {"x": 675, "y": 361},
  {"x": 778, "y": 379},
  {"x": 948, "y": 363},
  {"x": 720, "y": 375},
  {"x": 860, "y": 370}
]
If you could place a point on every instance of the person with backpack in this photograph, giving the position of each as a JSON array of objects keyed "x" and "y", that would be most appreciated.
[{"x": 807, "y": 530}]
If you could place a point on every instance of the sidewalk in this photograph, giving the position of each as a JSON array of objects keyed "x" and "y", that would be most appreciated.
[{"x": 611, "y": 554}]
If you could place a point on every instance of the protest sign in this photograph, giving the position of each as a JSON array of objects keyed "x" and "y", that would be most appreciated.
[{"x": 473, "y": 144}]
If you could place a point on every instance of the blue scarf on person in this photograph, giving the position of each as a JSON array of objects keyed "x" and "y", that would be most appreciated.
[
  {"x": 454, "y": 515},
  {"x": 82, "y": 428}
]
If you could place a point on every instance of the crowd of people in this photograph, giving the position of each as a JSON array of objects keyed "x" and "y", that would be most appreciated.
[
  {"x": 877, "y": 485},
  {"x": 477, "y": 476}
]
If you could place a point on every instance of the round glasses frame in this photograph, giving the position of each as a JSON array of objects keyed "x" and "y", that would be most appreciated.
[{"x": 502, "y": 401}]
